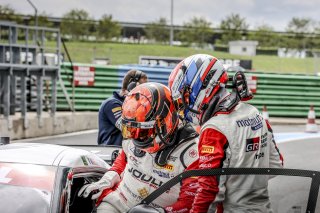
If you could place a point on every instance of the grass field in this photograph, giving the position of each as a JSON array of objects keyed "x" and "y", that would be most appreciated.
[{"x": 84, "y": 52}]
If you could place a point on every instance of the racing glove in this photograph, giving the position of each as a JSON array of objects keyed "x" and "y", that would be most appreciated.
[{"x": 108, "y": 180}]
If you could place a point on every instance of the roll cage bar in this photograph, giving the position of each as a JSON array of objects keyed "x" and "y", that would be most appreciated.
[{"x": 313, "y": 192}]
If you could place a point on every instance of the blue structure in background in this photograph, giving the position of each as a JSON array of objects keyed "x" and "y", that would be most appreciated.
[{"x": 155, "y": 73}]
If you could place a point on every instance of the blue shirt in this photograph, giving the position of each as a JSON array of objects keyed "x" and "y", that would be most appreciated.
[{"x": 109, "y": 112}]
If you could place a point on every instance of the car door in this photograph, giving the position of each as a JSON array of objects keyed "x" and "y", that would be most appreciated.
[{"x": 76, "y": 178}]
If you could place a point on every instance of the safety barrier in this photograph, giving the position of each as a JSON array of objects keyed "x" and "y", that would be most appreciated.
[{"x": 285, "y": 95}]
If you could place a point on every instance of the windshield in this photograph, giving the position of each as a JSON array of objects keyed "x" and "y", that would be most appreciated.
[{"x": 26, "y": 187}]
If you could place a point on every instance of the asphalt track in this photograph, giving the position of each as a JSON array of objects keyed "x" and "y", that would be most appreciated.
[{"x": 288, "y": 194}]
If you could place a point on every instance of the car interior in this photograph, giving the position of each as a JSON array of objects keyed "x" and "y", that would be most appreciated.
[{"x": 80, "y": 204}]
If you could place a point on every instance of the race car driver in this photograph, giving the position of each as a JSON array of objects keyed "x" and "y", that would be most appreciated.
[
  {"x": 233, "y": 134},
  {"x": 151, "y": 123}
]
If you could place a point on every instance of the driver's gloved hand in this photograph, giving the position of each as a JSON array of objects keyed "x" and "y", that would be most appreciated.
[
  {"x": 108, "y": 180},
  {"x": 144, "y": 208}
]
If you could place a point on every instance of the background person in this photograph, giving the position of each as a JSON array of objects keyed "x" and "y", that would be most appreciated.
[
  {"x": 233, "y": 135},
  {"x": 151, "y": 122},
  {"x": 110, "y": 109}
]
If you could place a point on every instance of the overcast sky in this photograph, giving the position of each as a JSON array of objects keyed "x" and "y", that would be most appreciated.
[{"x": 276, "y": 13}]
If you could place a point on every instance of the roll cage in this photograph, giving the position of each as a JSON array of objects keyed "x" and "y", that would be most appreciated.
[{"x": 313, "y": 192}]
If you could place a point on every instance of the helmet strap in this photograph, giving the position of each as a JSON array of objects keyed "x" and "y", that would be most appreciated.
[
  {"x": 222, "y": 101},
  {"x": 210, "y": 110},
  {"x": 229, "y": 103}
]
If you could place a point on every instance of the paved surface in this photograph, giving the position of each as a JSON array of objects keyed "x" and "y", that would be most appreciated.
[{"x": 288, "y": 194}]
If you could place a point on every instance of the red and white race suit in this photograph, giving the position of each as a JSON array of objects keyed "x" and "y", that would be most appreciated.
[
  {"x": 141, "y": 175},
  {"x": 240, "y": 138}
]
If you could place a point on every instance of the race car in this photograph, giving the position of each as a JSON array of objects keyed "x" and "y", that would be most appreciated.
[{"x": 46, "y": 178}]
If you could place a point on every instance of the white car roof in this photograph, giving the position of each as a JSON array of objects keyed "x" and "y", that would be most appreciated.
[{"x": 48, "y": 154}]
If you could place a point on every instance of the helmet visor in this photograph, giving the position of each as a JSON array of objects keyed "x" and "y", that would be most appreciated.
[{"x": 140, "y": 131}]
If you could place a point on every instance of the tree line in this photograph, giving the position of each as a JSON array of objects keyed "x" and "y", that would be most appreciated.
[{"x": 300, "y": 33}]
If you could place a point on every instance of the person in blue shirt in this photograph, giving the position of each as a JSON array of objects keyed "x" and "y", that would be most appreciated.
[{"x": 111, "y": 109}]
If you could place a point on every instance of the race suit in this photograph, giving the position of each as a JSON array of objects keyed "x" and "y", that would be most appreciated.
[
  {"x": 240, "y": 138},
  {"x": 109, "y": 116},
  {"x": 141, "y": 175}
]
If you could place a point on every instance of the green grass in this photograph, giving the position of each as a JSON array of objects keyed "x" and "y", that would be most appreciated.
[{"x": 84, "y": 52}]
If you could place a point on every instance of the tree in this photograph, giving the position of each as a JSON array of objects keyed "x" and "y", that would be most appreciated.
[
  {"x": 7, "y": 13},
  {"x": 265, "y": 36},
  {"x": 42, "y": 20},
  {"x": 234, "y": 27},
  {"x": 108, "y": 28},
  {"x": 76, "y": 23},
  {"x": 299, "y": 27},
  {"x": 197, "y": 30},
  {"x": 157, "y": 30}
]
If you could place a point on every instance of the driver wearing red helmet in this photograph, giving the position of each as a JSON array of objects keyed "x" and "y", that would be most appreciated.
[
  {"x": 151, "y": 124},
  {"x": 233, "y": 135}
]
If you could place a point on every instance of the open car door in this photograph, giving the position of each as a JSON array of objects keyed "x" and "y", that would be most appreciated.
[{"x": 76, "y": 178}]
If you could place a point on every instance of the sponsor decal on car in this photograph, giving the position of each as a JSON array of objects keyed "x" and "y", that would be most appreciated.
[
  {"x": 255, "y": 123},
  {"x": 84, "y": 160},
  {"x": 207, "y": 149}
]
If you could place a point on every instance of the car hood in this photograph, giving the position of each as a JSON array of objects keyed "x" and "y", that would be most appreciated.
[{"x": 48, "y": 154}]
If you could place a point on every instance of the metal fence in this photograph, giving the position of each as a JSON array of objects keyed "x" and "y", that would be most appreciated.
[{"x": 26, "y": 62}]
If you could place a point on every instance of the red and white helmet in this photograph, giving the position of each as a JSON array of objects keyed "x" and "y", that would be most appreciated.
[
  {"x": 195, "y": 84},
  {"x": 149, "y": 117}
]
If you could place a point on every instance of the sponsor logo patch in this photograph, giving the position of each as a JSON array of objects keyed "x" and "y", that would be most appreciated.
[
  {"x": 162, "y": 174},
  {"x": 206, "y": 158},
  {"x": 116, "y": 109},
  {"x": 207, "y": 149},
  {"x": 193, "y": 153},
  {"x": 143, "y": 192},
  {"x": 255, "y": 123},
  {"x": 172, "y": 158},
  {"x": 205, "y": 165},
  {"x": 264, "y": 139},
  {"x": 168, "y": 167},
  {"x": 134, "y": 160},
  {"x": 145, "y": 178},
  {"x": 252, "y": 144},
  {"x": 260, "y": 155}
]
